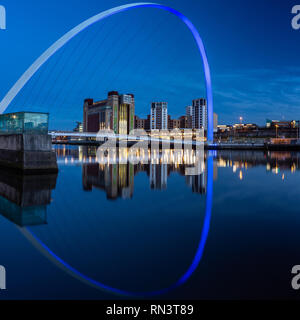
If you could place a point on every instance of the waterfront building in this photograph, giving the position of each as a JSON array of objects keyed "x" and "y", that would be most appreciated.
[
  {"x": 199, "y": 114},
  {"x": 96, "y": 115},
  {"x": 139, "y": 123},
  {"x": 142, "y": 123},
  {"x": 244, "y": 126},
  {"x": 115, "y": 113},
  {"x": 79, "y": 127},
  {"x": 148, "y": 123},
  {"x": 215, "y": 122},
  {"x": 281, "y": 124},
  {"x": 173, "y": 123},
  {"x": 224, "y": 128},
  {"x": 189, "y": 111},
  {"x": 189, "y": 115},
  {"x": 184, "y": 122},
  {"x": 159, "y": 115}
]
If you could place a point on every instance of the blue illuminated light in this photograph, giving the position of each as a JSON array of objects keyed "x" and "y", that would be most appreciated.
[
  {"x": 51, "y": 51},
  {"x": 28, "y": 74},
  {"x": 186, "y": 275}
]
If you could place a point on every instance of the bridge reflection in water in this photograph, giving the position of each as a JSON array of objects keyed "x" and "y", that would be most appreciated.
[
  {"x": 145, "y": 247},
  {"x": 118, "y": 249},
  {"x": 24, "y": 198}
]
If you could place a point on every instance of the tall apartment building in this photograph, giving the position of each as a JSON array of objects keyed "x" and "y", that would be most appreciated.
[
  {"x": 215, "y": 122},
  {"x": 115, "y": 113},
  {"x": 189, "y": 111},
  {"x": 189, "y": 117},
  {"x": 199, "y": 114},
  {"x": 159, "y": 115}
]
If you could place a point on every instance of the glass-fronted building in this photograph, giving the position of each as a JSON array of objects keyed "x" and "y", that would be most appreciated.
[{"x": 24, "y": 122}]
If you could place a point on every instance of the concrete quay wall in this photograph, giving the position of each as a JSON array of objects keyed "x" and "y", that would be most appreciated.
[{"x": 29, "y": 153}]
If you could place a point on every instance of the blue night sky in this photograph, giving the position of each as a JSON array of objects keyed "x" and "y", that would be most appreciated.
[{"x": 252, "y": 49}]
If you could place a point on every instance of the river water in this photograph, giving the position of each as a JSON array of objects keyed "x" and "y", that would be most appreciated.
[{"x": 113, "y": 229}]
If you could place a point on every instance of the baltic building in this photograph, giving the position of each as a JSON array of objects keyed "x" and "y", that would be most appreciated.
[{"x": 115, "y": 113}]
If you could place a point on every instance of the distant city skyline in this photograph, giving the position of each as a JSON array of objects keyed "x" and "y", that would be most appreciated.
[{"x": 117, "y": 113}]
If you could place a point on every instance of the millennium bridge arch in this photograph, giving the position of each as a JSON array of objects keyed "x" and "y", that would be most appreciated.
[
  {"x": 66, "y": 267},
  {"x": 38, "y": 63}
]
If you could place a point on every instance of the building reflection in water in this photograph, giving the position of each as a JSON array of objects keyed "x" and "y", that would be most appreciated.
[
  {"x": 158, "y": 176},
  {"x": 116, "y": 179},
  {"x": 114, "y": 173},
  {"x": 275, "y": 162},
  {"x": 24, "y": 198}
]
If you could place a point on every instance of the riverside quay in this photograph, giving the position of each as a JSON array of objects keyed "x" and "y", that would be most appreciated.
[{"x": 25, "y": 144}]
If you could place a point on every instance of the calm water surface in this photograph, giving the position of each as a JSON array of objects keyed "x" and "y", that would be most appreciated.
[{"x": 122, "y": 230}]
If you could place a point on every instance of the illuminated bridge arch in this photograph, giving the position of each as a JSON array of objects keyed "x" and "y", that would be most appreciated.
[
  {"x": 105, "y": 14},
  {"x": 66, "y": 267},
  {"x": 13, "y": 92}
]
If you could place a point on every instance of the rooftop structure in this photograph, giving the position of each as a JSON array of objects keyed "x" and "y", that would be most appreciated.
[{"x": 24, "y": 122}]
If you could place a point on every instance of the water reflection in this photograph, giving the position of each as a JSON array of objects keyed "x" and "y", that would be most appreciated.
[
  {"x": 274, "y": 162},
  {"x": 155, "y": 253},
  {"x": 114, "y": 171},
  {"x": 117, "y": 180},
  {"x": 24, "y": 199},
  {"x": 154, "y": 240}
]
